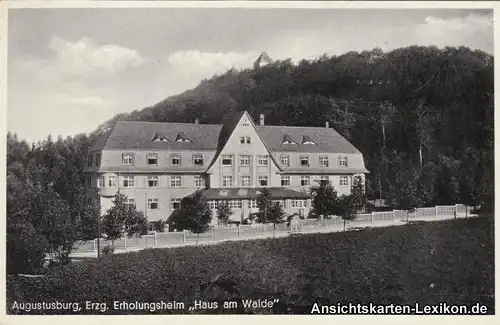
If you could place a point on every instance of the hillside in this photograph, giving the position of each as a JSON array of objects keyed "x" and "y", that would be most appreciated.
[
  {"x": 425, "y": 263},
  {"x": 418, "y": 106}
]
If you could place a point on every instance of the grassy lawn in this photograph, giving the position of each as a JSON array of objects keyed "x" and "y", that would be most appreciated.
[{"x": 449, "y": 261}]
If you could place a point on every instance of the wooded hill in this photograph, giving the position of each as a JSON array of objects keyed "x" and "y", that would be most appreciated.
[
  {"x": 422, "y": 110},
  {"x": 422, "y": 117}
]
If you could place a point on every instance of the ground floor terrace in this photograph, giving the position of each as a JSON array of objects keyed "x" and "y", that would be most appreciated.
[{"x": 243, "y": 202}]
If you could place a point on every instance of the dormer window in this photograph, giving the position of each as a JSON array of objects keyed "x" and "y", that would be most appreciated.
[
  {"x": 158, "y": 137},
  {"x": 181, "y": 137},
  {"x": 287, "y": 140},
  {"x": 307, "y": 140},
  {"x": 198, "y": 160}
]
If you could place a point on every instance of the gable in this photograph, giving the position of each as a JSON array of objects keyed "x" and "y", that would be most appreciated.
[{"x": 242, "y": 129}]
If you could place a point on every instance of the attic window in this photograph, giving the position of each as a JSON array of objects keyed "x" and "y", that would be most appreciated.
[
  {"x": 181, "y": 137},
  {"x": 159, "y": 137},
  {"x": 287, "y": 140},
  {"x": 307, "y": 140}
]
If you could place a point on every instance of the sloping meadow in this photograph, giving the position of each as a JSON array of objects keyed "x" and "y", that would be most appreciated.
[{"x": 450, "y": 261}]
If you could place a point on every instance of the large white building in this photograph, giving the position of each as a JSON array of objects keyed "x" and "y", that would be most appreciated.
[{"x": 157, "y": 164}]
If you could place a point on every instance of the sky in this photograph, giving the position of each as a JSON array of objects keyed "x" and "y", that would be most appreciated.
[{"x": 69, "y": 70}]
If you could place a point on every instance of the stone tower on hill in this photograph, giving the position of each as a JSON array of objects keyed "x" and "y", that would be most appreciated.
[{"x": 263, "y": 60}]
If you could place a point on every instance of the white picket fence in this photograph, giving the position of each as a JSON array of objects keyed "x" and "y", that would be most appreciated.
[{"x": 241, "y": 231}]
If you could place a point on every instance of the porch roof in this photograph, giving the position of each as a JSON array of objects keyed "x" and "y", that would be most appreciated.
[{"x": 251, "y": 193}]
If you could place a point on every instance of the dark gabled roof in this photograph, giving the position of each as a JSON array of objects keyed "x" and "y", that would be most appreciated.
[
  {"x": 326, "y": 139},
  {"x": 130, "y": 135}
]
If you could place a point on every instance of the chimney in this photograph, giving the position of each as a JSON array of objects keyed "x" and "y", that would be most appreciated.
[
  {"x": 196, "y": 121},
  {"x": 261, "y": 119},
  {"x": 327, "y": 124}
]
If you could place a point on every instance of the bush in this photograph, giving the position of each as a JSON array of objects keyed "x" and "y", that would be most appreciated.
[
  {"x": 107, "y": 250},
  {"x": 378, "y": 265}
]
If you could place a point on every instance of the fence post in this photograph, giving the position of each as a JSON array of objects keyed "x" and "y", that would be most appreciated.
[
  {"x": 95, "y": 244},
  {"x": 125, "y": 242},
  {"x": 154, "y": 240},
  {"x": 371, "y": 217},
  {"x": 393, "y": 215},
  {"x": 238, "y": 230},
  {"x": 213, "y": 234},
  {"x": 436, "y": 211}
]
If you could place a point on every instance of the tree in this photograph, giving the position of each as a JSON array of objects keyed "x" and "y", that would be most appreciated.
[
  {"x": 269, "y": 211},
  {"x": 159, "y": 226},
  {"x": 123, "y": 218},
  {"x": 223, "y": 213},
  {"x": 323, "y": 199},
  {"x": 358, "y": 193},
  {"x": 26, "y": 247},
  {"x": 195, "y": 214},
  {"x": 90, "y": 219},
  {"x": 346, "y": 208}
]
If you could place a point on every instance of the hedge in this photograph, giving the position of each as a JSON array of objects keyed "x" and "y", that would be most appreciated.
[{"x": 451, "y": 261}]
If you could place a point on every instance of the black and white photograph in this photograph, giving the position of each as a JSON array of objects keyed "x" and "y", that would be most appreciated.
[{"x": 249, "y": 158}]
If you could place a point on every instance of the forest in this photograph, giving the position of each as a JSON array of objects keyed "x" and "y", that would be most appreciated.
[{"x": 422, "y": 116}]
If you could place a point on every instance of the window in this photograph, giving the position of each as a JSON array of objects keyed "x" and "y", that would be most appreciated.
[
  {"x": 111, "y": 181},
  {"x": 152, "y": 181},
  {"x": 324, "y": 179},
  {"x": 263, "y": 180},
  {"x": 153, "y": 204},
  {"x": 227, "y": 181},
  {"x": 305, "y": 180},
  {"x": 343, "y": 180},
  {"x": 175, "y": 203},
  {"x": 245, "y": 181},
  {"x": 198, "y": 160},
  {"x": 97, "y": 160},
  {"x": 89, "y": 181},
  {"x": 323, "y": 161},
  {"x": 153, "y": 159},
  {"x": 175, "y": 181},
  {"x": 249, "y": 140},
  {"x": 128, "y": 181},
  {"x": 244, "y": 160},
  {"x": 285, "y": 160},
  {"x": 227, "y": 160},
  {"x": 285, "y": 180},
  {"x": 343, "y": 161},
  {"x": 128, "y": 159},
  {"x": 234, "y": 204},
  {"x": 281, "y": 202},
  {"x": 245, "y": 122},
  {"x": 299, "y": 203},
  {"x": 89, "y": 161},
  {"x": 213, "y": 204},
  {"x": 100, "y": 182},
  {"x": 175, "y": 159},
  {"x": 130, "y": 202},
  {"x": 304, "y": 161},
  {"x": 242, "y": 140},
  {"x": 262, "y": 160},
  {"x": 252, "y": 204},
  {"x": 199, "y": 181}
]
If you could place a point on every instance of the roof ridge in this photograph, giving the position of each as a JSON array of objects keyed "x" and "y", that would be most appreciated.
[{"x": 153, "y": 122}]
